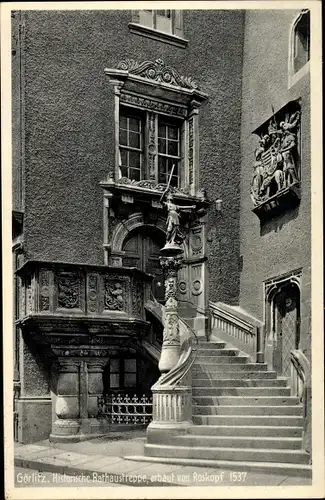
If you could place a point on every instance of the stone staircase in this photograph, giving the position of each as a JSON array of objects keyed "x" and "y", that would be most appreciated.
[{"x": 243, "y": 415}]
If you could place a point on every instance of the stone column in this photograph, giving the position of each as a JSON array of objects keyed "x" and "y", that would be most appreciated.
[
  {"x": 171, "y": 341},
  {"x": 91, "y": 425},
  {"x": 67, "y": 406}
]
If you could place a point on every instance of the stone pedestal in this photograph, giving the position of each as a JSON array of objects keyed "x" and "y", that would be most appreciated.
[
  {"x": 171, "y": 262},
  {"x": 78, "y": 386}
]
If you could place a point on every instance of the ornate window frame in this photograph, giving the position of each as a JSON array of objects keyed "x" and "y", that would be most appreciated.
[
  {"x": 295, "y": 76},
  {"x": 159, "y": 89},
  {"x": 138, "y": 27}
]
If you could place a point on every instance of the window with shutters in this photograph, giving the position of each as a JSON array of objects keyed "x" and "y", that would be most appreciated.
[{"x": 164, "y": 25}]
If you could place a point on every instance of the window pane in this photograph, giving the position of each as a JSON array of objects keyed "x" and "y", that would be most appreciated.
[
  {"x": 161, "y": 130},
  {"x": 130, "y": 380},
  {"x": 146, "y": 18},
  {"x": 134, "y": 159},
  {"x": 123, "y": 121},
  {"x": 172, "y": 132},
  {"x": 173, "y": 148},
  {"x": 163, "y": 24},
  {"x": 130, "y": 365},
  {"x": 124, "y": 157},
  {"x": 162, "y": 146},
  {"x": 123, "y": 137},
  {"x": 134, "y": 174},
  {"x": 134, "y": 140},
  {"x": 134, "y": 124},
  {"x": 124, "y": 171},
  {"x": 114, "y": 365},
  {"x": 174, "y": 181},
  {"x": 114, "y": 381},
  {"x": 301, "y": 42},
  {"x": 162, "y": 178}
]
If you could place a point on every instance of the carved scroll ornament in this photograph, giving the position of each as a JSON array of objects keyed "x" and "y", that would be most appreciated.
[{"x": 157, "y": 71}]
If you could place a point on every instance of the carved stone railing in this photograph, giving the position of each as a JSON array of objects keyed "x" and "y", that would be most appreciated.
[
  {"x": 62, "y": 289},
  {"x": 172, "y": 393},
  {"x": 300, "y": 384},
  {"x": 230, "y": 326},
  {"x": 300, "y": 377}
]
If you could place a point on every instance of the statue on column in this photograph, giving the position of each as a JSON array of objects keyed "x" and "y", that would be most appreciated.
[{"x": 174, "y": 235}]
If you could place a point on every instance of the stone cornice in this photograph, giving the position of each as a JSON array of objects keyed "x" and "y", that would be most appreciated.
[
  {"x": 83, "y": 325},
  {"x": 155, "y": 79},
  {"x": 31, "y": 265},
  {"x": 148, "y": 187}
]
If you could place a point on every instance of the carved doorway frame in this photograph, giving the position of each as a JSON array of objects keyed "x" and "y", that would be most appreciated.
[{"x": 272, "y": 289}]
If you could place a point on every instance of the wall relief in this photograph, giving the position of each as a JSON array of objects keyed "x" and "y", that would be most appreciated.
[
  {"x": 276, "y": 166},
  {"x": 68, "y": 290},
  {"x": 114, "y": 296}
]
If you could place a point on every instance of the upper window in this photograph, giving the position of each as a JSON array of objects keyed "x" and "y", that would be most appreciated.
[
  {"x": 156, "y": 126},
  {"x": 131, "y": 145},
  {"x": 143, "y": 153},
  {"x": 299, "y": 48},
  {"x": 301, "y": 52},
  {"x": 165, "y": 25}
]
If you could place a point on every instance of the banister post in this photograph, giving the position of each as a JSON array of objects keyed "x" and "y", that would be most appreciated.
[
  {"x": 171, "y": 263},
  {"x": 259, "y": 344}
]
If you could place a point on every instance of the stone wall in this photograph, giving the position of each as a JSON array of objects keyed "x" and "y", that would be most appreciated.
[
  {"x": 283, "y": 244},
  {"x": 69, "y": 118}
]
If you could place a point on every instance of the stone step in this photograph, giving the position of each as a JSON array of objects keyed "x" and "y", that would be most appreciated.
[
  {"x": 245, "y": 400},
  {"x": 199, "y": 373},
  {"x": 205, "y": 344},
  {"x": 253, "y": 442},
  {"x": 245, "y": 430},
  {"x": 216, "y": 360},
  {"x": 216, "y": 352},
  {"x": 248, "y": 410},
  {"x": 249, "y": 420},
  {"x": 283, "y": 469},
  {"x": 220, "y": 453},
  {"x": 249, "y": 383},
  {"x": 240, "y": 391},
  {"x": 216, "y": 367}
]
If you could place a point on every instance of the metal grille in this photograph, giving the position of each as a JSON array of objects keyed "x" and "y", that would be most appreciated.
[{"x": 123, "y": 409}]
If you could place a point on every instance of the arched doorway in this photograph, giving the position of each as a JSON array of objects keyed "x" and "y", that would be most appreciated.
[
  {"x": 141, "y": 249},
  {"x": 286, "y": 325}
]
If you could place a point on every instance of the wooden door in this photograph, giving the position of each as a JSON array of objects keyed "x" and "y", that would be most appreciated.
[
  {"x": 287, "y": 322},
  {"x": 142, "y": 251}
]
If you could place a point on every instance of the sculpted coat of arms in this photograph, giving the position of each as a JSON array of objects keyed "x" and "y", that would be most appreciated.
[{"x": 275, "y": 166}]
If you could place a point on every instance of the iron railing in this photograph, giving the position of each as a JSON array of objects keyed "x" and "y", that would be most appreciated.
[{"x": 123, "y": 409}]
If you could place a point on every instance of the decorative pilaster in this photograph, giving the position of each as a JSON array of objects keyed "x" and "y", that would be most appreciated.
[{"x": 171, "y": 341}]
